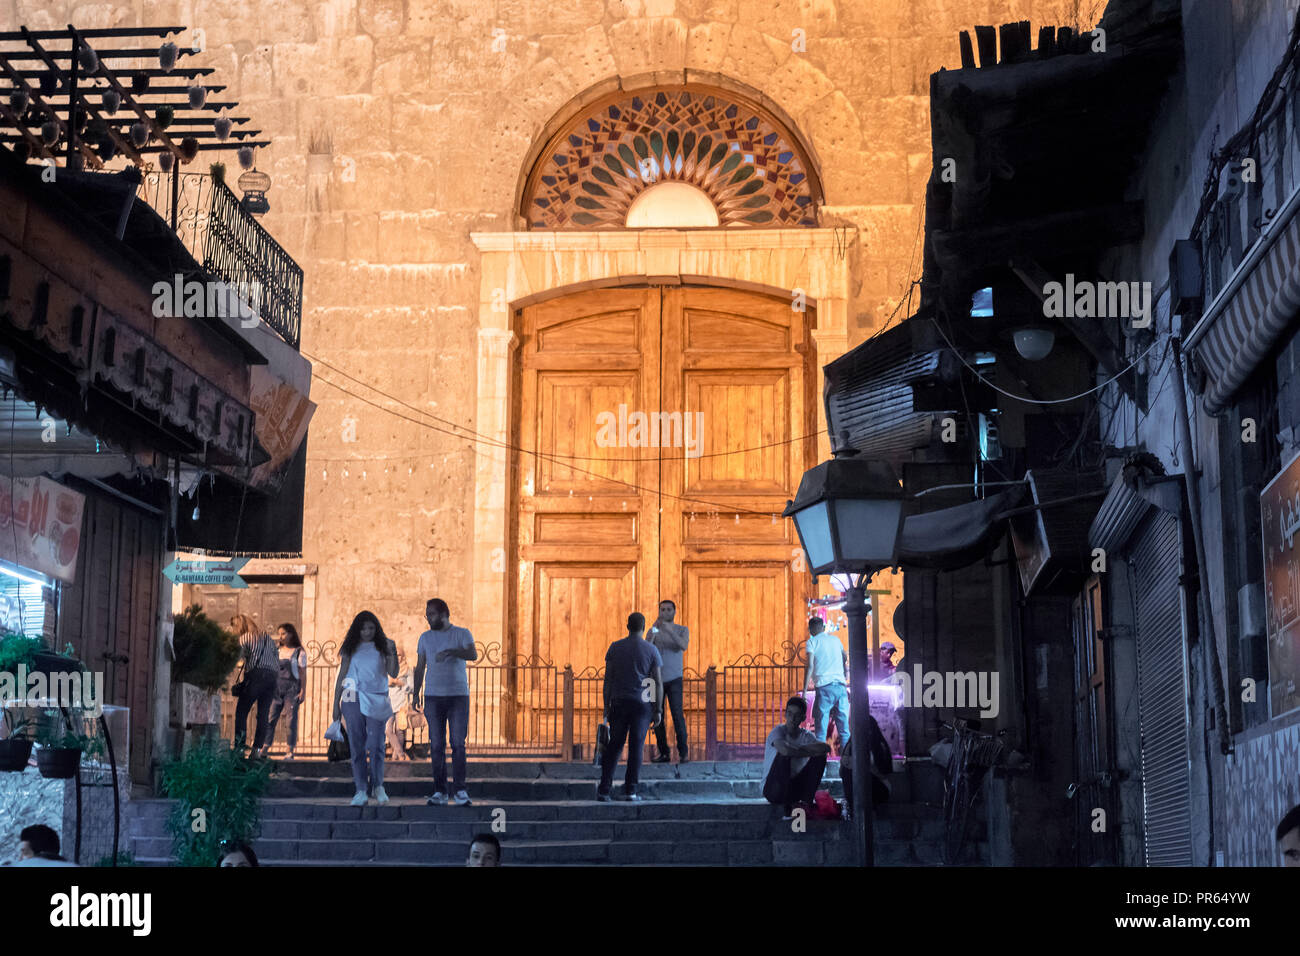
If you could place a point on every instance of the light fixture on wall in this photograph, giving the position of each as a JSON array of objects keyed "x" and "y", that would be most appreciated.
[{"x": 1034, "y": 343}]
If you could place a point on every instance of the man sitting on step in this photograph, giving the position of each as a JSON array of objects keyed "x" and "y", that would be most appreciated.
[{"x": 793, "y": 760}]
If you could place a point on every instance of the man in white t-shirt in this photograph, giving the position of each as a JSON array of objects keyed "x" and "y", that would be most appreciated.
[
  {"x": 827, "y": 674},
  {"x": 793, "y": 760}
]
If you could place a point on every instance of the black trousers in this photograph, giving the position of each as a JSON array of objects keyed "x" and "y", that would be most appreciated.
[
  {"x": 629, "y": 719},
  {"x": 673, "y": 699},
  {"x": 258, "y": 689},
  {"x": 785, "y": 790},
  {"x": 879, "y": 789}
]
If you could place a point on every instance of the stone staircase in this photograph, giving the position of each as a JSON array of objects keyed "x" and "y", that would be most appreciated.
[{"x": 705, "y": 813}]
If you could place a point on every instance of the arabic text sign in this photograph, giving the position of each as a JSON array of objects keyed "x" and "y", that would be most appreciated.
[
  {"x": 40, "y": 525},
  {"x": 1279, "y": 506},
  {"x": 207, "y": 572}
]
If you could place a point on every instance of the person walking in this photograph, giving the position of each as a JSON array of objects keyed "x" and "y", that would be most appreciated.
[
  {"x": 399, "y": 698},
  {"x": 443, "y": 651},
  {"x": 634, "y": 695},
  {"x": 290, "y": 688},
  {"x": 671, "y": 640},
  {"x": 361, "y": 700},
  {"x": 261, "y": 671},
  {"x": 827, "y": 667}
]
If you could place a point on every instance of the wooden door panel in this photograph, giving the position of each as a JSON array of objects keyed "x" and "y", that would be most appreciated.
[
  {"x": 581, "y": 609},
  {"x": 574, "y": 410},
  {"x": 735, "y": 609},
  {"x": 746, "y": 412}
]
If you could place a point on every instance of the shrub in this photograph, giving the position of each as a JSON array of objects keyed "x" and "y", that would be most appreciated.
[
  {"x": 226, "y": 787},
  {"x": 206, "y": 653}
]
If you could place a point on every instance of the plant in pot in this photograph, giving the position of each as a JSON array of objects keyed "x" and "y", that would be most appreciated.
[
  {"x": 16, "y": 747},
  {"x": 62, "y": 746},
  {"x": 206, "y": 653}
]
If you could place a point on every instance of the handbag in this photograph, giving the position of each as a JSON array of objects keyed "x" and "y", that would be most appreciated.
[
  {"x": 238, "y": 687},
  {"x": 338, "y": 749}
]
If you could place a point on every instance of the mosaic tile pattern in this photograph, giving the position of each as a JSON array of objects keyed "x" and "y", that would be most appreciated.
[
  {"x": 1263, "y": 782},
  {"x": 738, "y": 157}
]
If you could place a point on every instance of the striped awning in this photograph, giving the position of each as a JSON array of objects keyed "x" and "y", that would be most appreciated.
[{"x": 1230, "y": 342}]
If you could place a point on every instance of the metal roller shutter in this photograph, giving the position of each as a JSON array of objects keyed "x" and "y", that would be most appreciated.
[{"x": 1155, "y": 563}]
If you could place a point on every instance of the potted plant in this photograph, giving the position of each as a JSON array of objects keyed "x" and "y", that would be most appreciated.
[
  {"x": 15, "y": 748},
  {"x": 229, "y": 790},
  {"x": 62, "y": 746},
  {"x": 206, "y": 653},
  {"x": 218, "y": 171}
]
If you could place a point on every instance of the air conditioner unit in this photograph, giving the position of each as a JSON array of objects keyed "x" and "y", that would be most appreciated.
[{"x": 1185, "y": 280}]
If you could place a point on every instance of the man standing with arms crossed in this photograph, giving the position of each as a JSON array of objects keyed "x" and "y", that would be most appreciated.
[
  {"x": 634, "y": 694},
  {"x": 670, "y": 640},
  {"x": 444, "y": 649}
]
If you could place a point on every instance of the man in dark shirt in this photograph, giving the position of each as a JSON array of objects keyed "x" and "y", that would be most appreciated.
[{"x": 634, "y": 696}]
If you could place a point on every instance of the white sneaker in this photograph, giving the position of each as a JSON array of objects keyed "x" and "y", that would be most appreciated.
[
  {"x": 380, "y": 795},
  {"x": 359, "y": 800},
  {"x": 462, "y": 798},
  {"x": 439, "y": 799}
]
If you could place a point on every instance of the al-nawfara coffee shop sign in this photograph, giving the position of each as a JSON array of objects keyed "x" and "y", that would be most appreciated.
[
  {"x": 40, "y": 525},
  {"x": 1279, "y": 506}
]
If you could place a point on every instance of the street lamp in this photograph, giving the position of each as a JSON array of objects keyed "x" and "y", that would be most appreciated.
[{"x": 849, "y": 514}]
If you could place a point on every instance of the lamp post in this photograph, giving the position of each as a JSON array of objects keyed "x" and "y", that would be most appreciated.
[{"x": 849, "y": 514}]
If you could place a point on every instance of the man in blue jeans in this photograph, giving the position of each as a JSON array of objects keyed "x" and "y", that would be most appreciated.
[
  {"x": 444, "y": 649},
  {"x": 827, "y": 666},
  {"x": 634, "y": 695}
]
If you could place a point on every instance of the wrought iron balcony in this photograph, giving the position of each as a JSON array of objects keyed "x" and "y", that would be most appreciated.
[{"x": 230, "y": 245}]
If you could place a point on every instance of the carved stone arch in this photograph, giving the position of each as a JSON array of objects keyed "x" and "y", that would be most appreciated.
[{"x": 619, "y": 139}]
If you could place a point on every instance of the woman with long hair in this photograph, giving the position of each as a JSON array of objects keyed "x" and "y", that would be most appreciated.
[
  {"x": 259, "y": 676},
  {"x": 291, "y": 687},
  {"x": 366, "y": 660}
]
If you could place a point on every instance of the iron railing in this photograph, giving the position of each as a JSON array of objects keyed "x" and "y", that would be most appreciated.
[
  {"x": 230, "y": 245},
  {"x": 533, "y": 708}
]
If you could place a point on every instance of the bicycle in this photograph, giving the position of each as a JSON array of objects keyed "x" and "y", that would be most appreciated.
[{"x": 973, "y": 755}]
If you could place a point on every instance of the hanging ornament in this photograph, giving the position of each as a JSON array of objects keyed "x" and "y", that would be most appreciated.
[
  {"x": 79, "y": 117},
  {"x": 189, "y": 148},
  {"x": 49, "y": 83},
  {"x": 245, "y": 157},
  {"x": 167, "y": 56},
  {"x": 49, "y": 132},
  {"x": 111, "y": 100},
  {"x": 164, "y": 116},
  {"x": 139, "y": 83},
  {"x": 88, "y": 59},
  {"x": 18, "y": 101},
  {"x": 139, "y": 135},
  {"x": 222, "y": 125},
  {"x": 166, "y": 160},
  {"x": 107, "y": 148},
  {"x": 198, "y": 96}
]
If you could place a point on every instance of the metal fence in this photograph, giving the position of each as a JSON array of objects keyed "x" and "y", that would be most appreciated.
[
  {"x": 230, "y": 245},
  {"x": 532, "y": 708}
]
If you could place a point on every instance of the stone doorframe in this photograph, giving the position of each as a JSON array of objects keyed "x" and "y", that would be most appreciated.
[{"x": 518, "y": 269}]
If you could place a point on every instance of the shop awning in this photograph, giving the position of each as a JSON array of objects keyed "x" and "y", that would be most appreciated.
[
  {"x": 1233, "y": 337},
  {"x": 955, "y": 537}
]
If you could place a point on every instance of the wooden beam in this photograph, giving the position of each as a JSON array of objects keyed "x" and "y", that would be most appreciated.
[
  {"x": 967, "y": 51},
  {"x": 987, "y": 40}
]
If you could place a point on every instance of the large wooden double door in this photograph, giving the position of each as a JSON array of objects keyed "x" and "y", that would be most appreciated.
[{"x": 661, "y": 432}]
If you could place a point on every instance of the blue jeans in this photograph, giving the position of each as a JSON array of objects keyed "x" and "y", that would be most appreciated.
[
  {"x": 365, "y": 739},
  {"x": 832, "y": 701},
  {"x": 442, "y": 713}
]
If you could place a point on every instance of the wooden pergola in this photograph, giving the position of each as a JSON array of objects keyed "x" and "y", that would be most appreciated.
[{"x": 60, "y": 77}]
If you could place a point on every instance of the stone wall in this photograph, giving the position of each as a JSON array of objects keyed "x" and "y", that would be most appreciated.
[{"x": 401, "y": 126}]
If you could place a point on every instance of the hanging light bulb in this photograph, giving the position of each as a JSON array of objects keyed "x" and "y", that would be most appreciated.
[{"x": 195, "y": 515}]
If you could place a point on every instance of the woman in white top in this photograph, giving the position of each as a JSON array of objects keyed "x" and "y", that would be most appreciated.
[{"x": 366, "y": 660}]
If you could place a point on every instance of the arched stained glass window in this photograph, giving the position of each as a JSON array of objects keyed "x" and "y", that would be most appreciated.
[{"x": 738, "y": 156}]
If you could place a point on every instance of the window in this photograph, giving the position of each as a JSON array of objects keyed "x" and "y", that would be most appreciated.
[{"x": 671, "y": 204}]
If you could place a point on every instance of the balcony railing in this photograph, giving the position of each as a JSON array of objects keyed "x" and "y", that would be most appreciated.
[{"x": 230, "y": 245}]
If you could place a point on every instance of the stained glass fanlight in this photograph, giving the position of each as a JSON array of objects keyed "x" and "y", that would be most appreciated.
[{"x": 736, "y": 155}]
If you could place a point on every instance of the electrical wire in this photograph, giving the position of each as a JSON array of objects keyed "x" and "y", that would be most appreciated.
[
  {"x": 1040, "y": 401},
  {"x": 488, "y": 439}
]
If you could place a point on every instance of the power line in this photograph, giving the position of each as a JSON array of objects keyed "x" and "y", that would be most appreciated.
[
  {"x": 555, "y": 456},
  {"x": 1041, "y": 401},
  {"x": 716, "y": 505}
]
